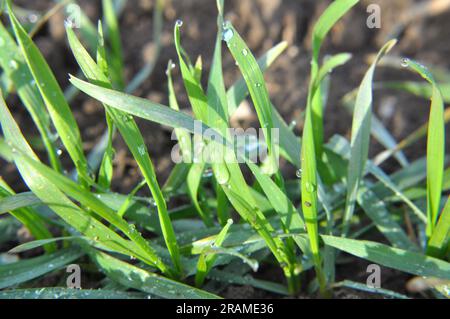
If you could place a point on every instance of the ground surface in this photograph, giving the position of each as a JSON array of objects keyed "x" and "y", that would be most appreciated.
[{"x": 262, "y": 23}]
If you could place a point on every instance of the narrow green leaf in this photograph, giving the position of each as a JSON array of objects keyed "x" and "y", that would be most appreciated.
[
  {"x": 53, "y": 97},
  {"x": 256, "y": 85},
  {"x": 399, "y": 259},
  {"x": 19, "y": 206},
  {"x": 15, "y": 68},
  {"x": 239, "y": 90},
  {"x": 38, "y": 243},
  {"x": 435, "y": 147},
  {"x": 136, "y": 278},
  {"x": 327, "y": 20},
  {"x": 132, "y": 136},
  {"x": 48, "y": 193},
  {"x": 70, "y": 293},
  {"x": 106, "y": 166},
  {"x": 206, "y": 261},
  {"x": 366, "y": 288},
  {"x": 138, "y": 106},
  {"x": 439, "y": 241},
  {"x": 26, "y": 270},
  {"x": 16, "y": 201},
  {"x": 73, "y": 190},
  {"x": 116, "y": 57},
  {"x": 361, "y": 136}
]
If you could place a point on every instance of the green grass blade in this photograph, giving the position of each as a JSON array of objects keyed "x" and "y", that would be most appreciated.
[
  {"x": 10, "y": 201},
  {"x": 86, "y": 198},
  {"x": 134, "y": 140},
  {"x": 439, "y": 241},
  {"x": 256, "y": 85},
  {"x": 38, "y": 243},
  {"x": 69, "y": 293},
  {"x": 239, "y": 90},
  {"x": 193, "y": 182},
  {"x": 254, "y": 216},
  {"x": 106, "y": 166},
  {"x": 183, "y": 137},
  {"x": 327, "y": 20},
  {"x": 290, "y": 218},
  {"x": 14, "y": 68},
  {"x": 399, "y": 259},
  {"x": 48, "y": 193},
  {"x": 19, "y": 206},
  {"x": 313, "y": 133},
  {"x": 138, "y": 106},
  {"x": 380, "y": 215},
  {"x": 360, "y": 137},
  {"x": 206, "y": 261},
  {"x": 195, "y": 92},
  {"x": 113, "y": 31},
  {"x": 435, "y": 147},
  {"x": 194, "y": 176},
  {"x": 366, "y": 288},
  {"x": 26, "y": 270},
  {"x": 53, "y": 97},
  {"x": 129, "y": 199},
  {"x": 217, "y": 114},
  {"x": 136, "y": 278}
]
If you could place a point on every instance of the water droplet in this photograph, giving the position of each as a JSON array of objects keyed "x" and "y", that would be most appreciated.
[
  {"x": 33, "y": 18},
  {"x": 208, "y": 173},
  {"x": 59, "y": 152},
  {"x": 127, "y": 117},
  {"x": 179, "y": 23},
  {"x": 244, "y": 52},
  {"x": 258, "y": 85},
  {"x": 141, "y": 150},
  {"x": 222, "y": 175},
  {"x": 405, "y": 62},
  {"x": 310, "y": 187},
  {"x": 68, "y": 23},
  {"x": 307, "y": 204},
  {"x": 13, "y": 64},
  {"x": 227, "y": 34},
  {"x": 298, "y": 173}
]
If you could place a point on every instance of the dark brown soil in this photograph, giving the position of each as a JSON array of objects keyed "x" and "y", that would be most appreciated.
[{"x": 262, "y": 23}]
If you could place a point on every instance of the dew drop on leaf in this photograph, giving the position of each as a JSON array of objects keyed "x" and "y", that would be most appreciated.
[
  {"x": 227, "y": 34},
  {"x": 405, "y": 62}
]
